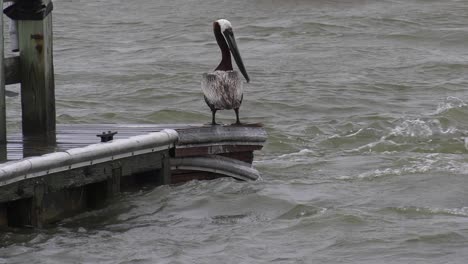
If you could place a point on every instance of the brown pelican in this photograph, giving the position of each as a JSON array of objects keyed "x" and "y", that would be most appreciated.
[{"x": 222, "y": 88}]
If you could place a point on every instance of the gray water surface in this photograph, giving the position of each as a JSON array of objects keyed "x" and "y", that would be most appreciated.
[{"x": 365, "y": 103}]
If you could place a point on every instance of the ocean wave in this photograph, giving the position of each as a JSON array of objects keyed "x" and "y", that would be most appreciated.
[
  {"x": 384, "y": 172},
  {"x": 441, "y": 131},
  {"x": 244, "y": 218},
  {"x": 416, "y": 135},
  {"x": 434, "y": 162},
  {"x": 438, "y": 238},
  {"x": 301, "y": 210}
]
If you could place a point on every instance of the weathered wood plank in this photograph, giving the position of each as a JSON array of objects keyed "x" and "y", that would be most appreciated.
[
  {"x": 12, "y": 70},
  {"x": 59, "y": 204}
]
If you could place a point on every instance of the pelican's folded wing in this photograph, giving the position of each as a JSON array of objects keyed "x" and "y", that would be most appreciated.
[{"x": 210, "y": 84}]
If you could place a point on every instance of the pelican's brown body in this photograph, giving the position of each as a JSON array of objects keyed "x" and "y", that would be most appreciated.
[{"x": 223, "y": 88}]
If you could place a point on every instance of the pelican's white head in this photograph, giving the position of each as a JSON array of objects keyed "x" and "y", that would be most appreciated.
[{"x": 224, "y": 24}]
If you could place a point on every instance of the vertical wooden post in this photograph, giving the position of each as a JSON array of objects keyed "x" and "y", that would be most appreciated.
[
  {"x": 37, "y": 206},
  {"x": 2, "y": 85},
  {"x": 37, "y": 76},
  {"x": 113, "y": 183},
  {"x": 166, "y": 169},
  {"x": 3, "y": 216}
]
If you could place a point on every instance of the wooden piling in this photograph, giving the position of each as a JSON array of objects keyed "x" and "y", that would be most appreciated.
[
  {"x": 37, "y": 76},
  {"x": 2, "y": 86}
]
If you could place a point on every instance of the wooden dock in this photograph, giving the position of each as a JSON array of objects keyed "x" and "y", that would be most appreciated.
[{"x": 77, "y": 172}]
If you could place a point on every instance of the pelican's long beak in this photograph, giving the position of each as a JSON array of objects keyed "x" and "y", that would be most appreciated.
[{"x": 229, "y": 36}]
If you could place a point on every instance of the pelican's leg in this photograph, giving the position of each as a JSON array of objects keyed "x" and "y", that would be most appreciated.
[
  {"x": 213, "y": 122},
  {"x": 237, "y": 116}
]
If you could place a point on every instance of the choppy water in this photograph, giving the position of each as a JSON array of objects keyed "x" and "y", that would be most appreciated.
[{"x": 365, "y": 102}]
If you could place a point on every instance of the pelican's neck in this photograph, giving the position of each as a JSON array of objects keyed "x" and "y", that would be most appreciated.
[{"x": 226, "y": 63}]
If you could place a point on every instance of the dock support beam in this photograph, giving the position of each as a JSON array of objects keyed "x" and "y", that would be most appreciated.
[
  {"x": 37, "y": 76},
  {"x": 166, "y": 169},
  {"x": 113, "y": 182},
  {"x": 3, "y": 216},
  {"x": 37, "y": 206}
]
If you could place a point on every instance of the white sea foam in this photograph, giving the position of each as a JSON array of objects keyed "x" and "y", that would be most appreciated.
[
  {"x": 449, "y": 103},
  {"x": 413, "y": 128},
  {"x": 370, "y": 146},
  {"x": 301, "y": 155},
  {"x": 302, "y": 152},
  {"x": 354, "y": 134}
]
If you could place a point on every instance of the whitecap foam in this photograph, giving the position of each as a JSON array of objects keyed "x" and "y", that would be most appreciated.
[
  {"x": 449, "y": 103},
  {"x": 370, "y": 146},
  {"x": 302, "y": 152},
  {"x": 412, "y": 128},
  {"x": 301, "y": 155}
]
